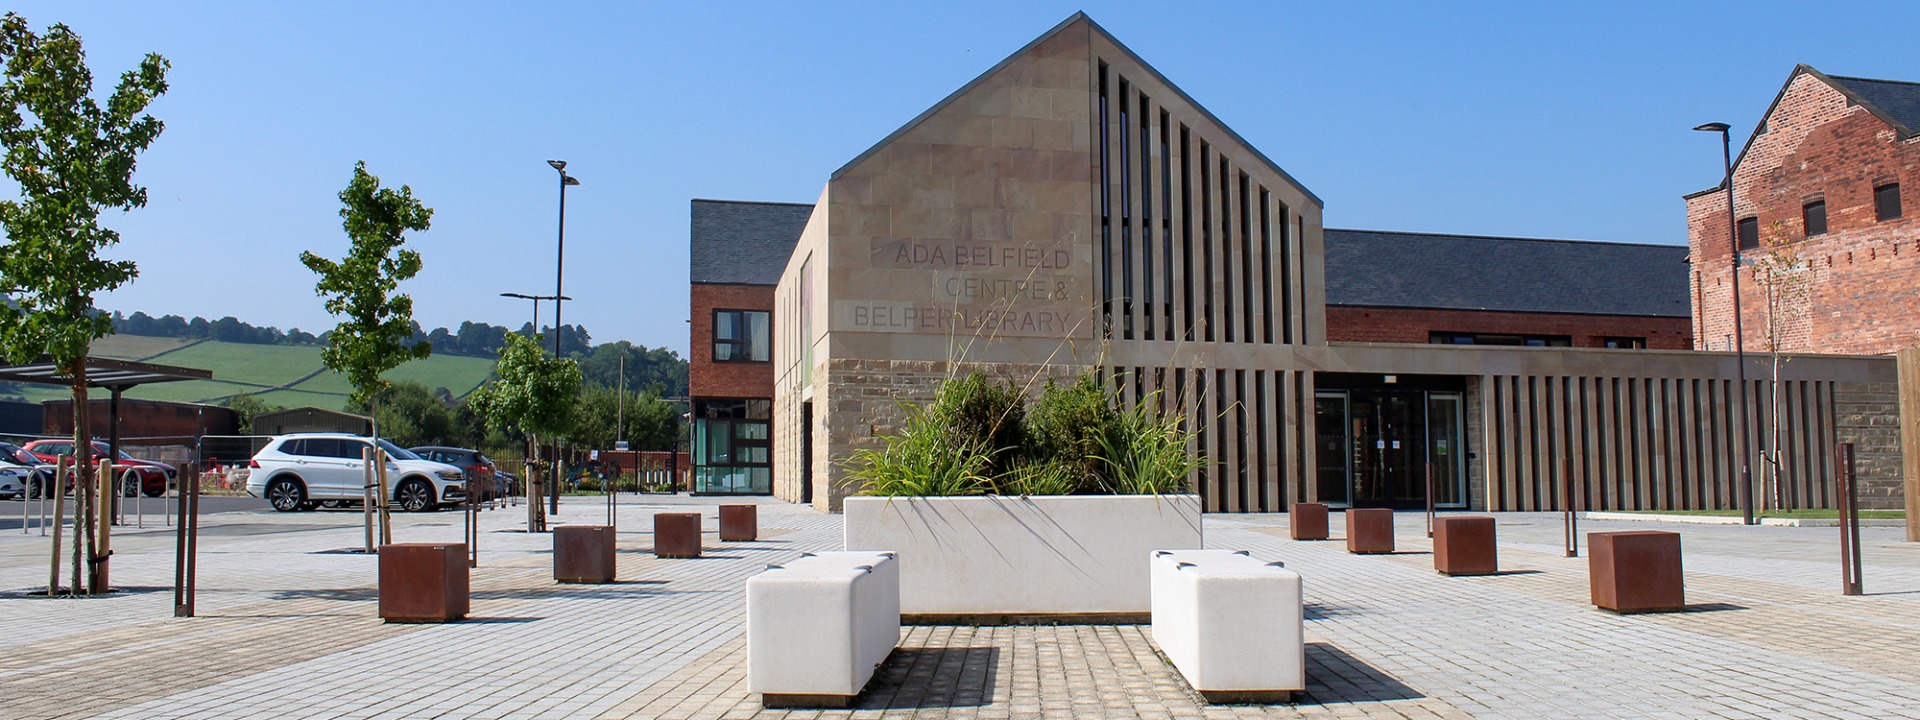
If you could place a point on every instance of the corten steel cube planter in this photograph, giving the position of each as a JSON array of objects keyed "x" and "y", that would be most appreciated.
[
  {"x": 1636, "y": 571},
  {"x": 739, "y": 523},
  {"x": 1308, "y": 521},
  {"x": 1464, "y": 546},
  {"x": 423, "y": 582},
  {"x": 1370, "y": 531},
  {"x": 583, "y": 554},
  {"x": 676, "y": 535}
]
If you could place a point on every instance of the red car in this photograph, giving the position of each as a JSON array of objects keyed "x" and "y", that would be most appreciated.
[{"x": 154, "y": 476}]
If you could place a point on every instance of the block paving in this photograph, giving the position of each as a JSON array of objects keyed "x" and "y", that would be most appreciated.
[{"x": 288, "y": 628}]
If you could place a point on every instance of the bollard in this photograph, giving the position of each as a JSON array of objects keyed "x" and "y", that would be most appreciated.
[{"x": 1847, "y": 497}]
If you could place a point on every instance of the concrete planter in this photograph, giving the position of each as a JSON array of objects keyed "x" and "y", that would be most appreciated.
[{"x": 982, "y": 557}]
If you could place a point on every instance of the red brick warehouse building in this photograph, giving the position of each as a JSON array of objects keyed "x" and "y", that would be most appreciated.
[
  {"x": 1824, "y": 195},
  {"x": 738, "y": 250}
]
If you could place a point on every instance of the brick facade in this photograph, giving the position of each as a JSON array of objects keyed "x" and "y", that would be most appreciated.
[
  {"x": 1845, "y": 291},
  {"x": 143, "y": 422},
  {"x": 707, "y": 378},
  {"x": 1413, "y": 325}
]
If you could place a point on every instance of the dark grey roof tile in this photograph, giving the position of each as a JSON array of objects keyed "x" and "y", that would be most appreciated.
[
  {"x": 1897, "y": 100},
  {"x": 744, "y": 243},
  {"x": 1467, "y": 272}
]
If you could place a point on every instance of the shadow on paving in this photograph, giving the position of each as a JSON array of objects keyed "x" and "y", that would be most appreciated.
[
  {"x": 1322, "y": 611},
  {"x": 933, "y": 677},
  {"x": 1333, "y": 676}
]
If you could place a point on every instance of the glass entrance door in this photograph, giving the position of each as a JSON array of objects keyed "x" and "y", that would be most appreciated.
[{"x": 1374, "y": 448}]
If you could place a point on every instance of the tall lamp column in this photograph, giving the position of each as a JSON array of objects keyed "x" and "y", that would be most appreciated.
[
  {"x": 1739, "y": 336},
  {"x": 559, "y": 272}
]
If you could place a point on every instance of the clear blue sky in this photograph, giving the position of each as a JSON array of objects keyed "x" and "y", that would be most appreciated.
[{"x": 1543, "y": 119}]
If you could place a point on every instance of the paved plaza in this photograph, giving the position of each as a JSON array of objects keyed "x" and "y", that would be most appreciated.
[{"x": 288, "y": 629}]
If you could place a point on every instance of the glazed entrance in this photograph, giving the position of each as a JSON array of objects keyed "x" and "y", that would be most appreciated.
[{"x": 1380, "y": 440}]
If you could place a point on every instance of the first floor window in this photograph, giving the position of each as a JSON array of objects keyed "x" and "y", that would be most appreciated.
[
  {"x": 741, "y": 336},
  {"x": 1635, "y": 343},
  {"x": 1886, "y": 202},
  {"x": 1814, "y": 215}
]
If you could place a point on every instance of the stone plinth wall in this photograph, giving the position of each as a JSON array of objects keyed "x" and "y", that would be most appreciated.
[
  {"x": 1868, "y": 415},
  {"x": 866, "y": 406}
]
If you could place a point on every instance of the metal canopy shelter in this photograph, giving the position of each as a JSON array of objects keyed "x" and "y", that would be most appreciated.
[{"x": 117, "y": 376}]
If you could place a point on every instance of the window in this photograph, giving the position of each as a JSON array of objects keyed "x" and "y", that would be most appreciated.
[
  {"x": 1625, "y": 343},
  {"x": 740, "y": 336},
  {"x": 733, "y": 446},
  {"x": 1814, "y": 216},
  {"x": 1459, "y": 338},
  {"x": 1749, "y": 233},
  {"x": 1886, "y": 202}
]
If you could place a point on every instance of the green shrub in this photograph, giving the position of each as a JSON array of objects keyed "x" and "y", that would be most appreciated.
[
  {"x": 983, "y": 413},
  {"x": 924, "y": 459},
  {"x": 1069, "y": 424},
  {"x": 1147, "y": 455},
  {"x": 1051, "y": 477}
]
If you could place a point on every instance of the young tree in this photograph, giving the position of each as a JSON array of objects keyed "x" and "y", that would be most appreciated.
[
  {"x": 535, "y": 392},
  {"x": 1787, "y": 281},
  {"x": 72, "y": 158},
  {"x": 376, "y": 324}
]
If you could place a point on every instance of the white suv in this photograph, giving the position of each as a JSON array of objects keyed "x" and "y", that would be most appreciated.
[{"x": 298, "y": 472}]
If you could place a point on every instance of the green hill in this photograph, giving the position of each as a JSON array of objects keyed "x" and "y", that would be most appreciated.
[{"x": 289, "y": 375}]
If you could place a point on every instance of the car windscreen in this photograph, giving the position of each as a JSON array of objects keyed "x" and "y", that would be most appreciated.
[{"x": 397, "y": 452}]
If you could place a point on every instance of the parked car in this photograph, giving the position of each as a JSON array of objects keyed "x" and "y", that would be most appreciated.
[
  {"x": 39, "y": 480},
  {"x": 483, "y": 478},
  {"x": 14, "y": 480},
  {"x": 300, "y": 471},
  {"x": 155, "y": 476}
]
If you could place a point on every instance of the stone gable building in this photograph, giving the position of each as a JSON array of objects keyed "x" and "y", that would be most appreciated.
[{"x": 1073, "y": 211}]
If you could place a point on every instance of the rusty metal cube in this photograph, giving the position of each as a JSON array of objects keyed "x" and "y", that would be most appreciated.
[
  {"x": 583, "y": 554},
  {"x": 1465, "y": 546},
  {"x": 676, "y": 535},
  {"x": 1308, "y": 521},
  {"x": 423, "y": 582},
  {"x": 739, "y": 523},
  {"x": 1636, "y": 571},
  {"x": 1369, "y": 531}
]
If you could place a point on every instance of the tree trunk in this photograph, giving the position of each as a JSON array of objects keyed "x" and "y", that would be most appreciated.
[{"x": 84, "y": 495}]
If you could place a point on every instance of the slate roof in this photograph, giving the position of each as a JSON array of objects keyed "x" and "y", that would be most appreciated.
[
  {"x": 1470, "y": 272},
  {"x": 744, "y": 243},
  {"x": 1896, "y": 101}
]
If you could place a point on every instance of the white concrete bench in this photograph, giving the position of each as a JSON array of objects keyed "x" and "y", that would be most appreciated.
[
  {"x": 1230, "y": 623},
  {"x": 819, "y": 626}
]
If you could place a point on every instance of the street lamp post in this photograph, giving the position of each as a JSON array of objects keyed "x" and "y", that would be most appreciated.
[
  {"x": 534, "y": 329},
  {"x": 560, "y": 255},
  {"x": 1739, "y": 336},
  {"x": 559, "y": 272}
]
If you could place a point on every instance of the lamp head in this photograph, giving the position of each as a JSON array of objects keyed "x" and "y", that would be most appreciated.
[
  {"x": 558, "y": 164},
  {"x": 569, "y": 180},
  {"x": 1714, "y": 127}
]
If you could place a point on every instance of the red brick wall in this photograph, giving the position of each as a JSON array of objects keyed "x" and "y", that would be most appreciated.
[
  {"x": 728, "y": 379},
  {"x": 1855, "y": 293},
  {"x": 1412, "y": 325}
]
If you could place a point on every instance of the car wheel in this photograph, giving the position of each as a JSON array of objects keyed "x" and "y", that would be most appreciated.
[
  {"x": 35, "y": 489},
  {"x": 414, "y": 496},
  {"x": 286, "y": 494},
  {"x": 156, "y": 493},
  {"x": 130, "y": 487}
]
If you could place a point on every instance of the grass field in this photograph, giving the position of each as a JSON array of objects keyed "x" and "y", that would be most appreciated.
[{"x": 278, "y": 373}]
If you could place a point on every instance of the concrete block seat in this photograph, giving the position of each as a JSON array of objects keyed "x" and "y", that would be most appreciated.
[
  {"x": 818, "y": 627},
  {"x": 1230, "y": 623}
]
